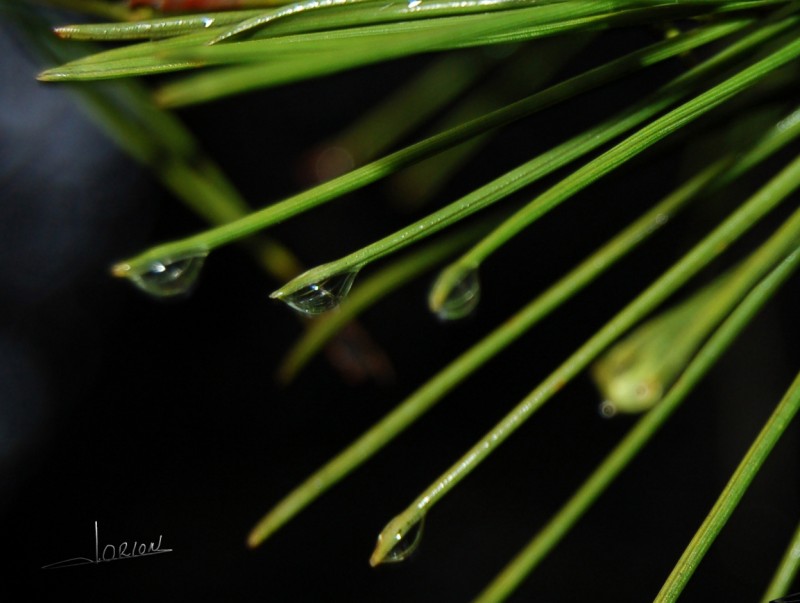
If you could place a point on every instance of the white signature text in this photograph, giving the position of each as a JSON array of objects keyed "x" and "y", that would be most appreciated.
[{"x": 113, "y": 553}]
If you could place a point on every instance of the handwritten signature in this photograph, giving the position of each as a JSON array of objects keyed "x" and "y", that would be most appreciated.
[{"x": 112, "y": 553}]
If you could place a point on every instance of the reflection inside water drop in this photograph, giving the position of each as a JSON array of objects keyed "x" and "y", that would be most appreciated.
[
  {"x": 607, "y": 409},
  {"x": 322, "y": 296},
  {"x": 462, "y": 298},
  {"x": 406, "y": 543},
  {"x": 170, "y": 277}
]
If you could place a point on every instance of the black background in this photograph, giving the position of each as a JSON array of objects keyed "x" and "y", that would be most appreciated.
[{"x": 164, "y": 419}]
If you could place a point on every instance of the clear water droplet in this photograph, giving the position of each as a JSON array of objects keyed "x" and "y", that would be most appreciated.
[
  {"x": 406, "y": 543},
  {"x": 322, "y": 296},
  {"x": 208, "y": 21},
  {"x": 462, "y": 298},
  {"x": 607, "y": 409},
  {"x": 170, "y": 277}
]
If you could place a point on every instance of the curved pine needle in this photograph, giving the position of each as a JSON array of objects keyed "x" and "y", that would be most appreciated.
[
  {"x": 744, "y": 218},
  {"x": 397, "y": 10},
  {"x": 610, "y": 160},
  {"x": 289, "y": 63},
  {"x": 542, "y": 165},
  {"x": 618, "y": 459},
  {"x": 391, "y": 163},
  {"x": 151, "y": 28},
  {"x": 435, "y": 87},
  {"x": 347, "y": 49},
  {"x": 480, "y": 353},
  {"x": 729, "y": 498},
  {"x": 786, "y": 572},
  {"x": 160, "y": 141},
  {"x": 424, "y": 181},
  {"x": 371, "y": 291},
  {"x": 636, "y": 372}
]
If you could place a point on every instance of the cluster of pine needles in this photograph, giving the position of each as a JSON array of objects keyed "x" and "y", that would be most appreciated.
[{"x": 645, "y": 359}]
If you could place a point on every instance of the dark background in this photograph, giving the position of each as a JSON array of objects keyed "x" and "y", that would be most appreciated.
[{"x": 164, "y": 419}]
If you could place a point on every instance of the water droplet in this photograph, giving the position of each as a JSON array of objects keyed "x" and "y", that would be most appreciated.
[
  {"x": 208, "y": 21},
  {"x": 607, "y": 409},
  {"x": 405, "y": 543},
  {"x": 322, "y": 296},
  {"x": 169, "y": 277},
  {"x": 462, "y": 298},
  {"x": 627, "y": 381}
]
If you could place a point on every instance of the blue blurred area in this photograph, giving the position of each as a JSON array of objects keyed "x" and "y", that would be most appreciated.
[{"x": 70, "y": 203}]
